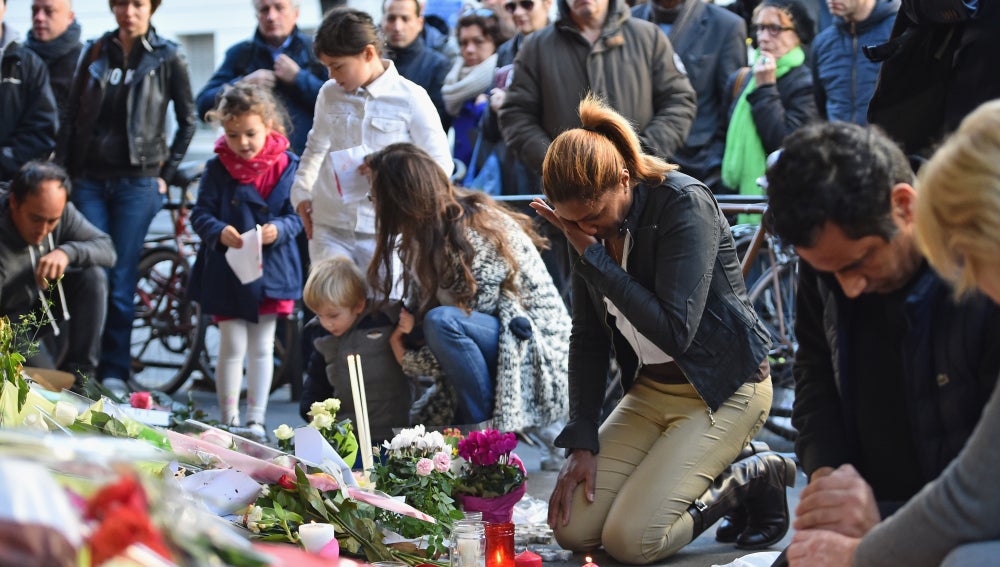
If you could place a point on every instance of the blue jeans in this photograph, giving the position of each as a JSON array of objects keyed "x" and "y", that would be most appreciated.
[
  {"x": 465, "y": 346},
  {"x": 123, "y": 207}
]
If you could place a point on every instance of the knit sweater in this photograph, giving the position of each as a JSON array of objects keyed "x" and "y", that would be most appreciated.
[{"x": 531, "y": 379}]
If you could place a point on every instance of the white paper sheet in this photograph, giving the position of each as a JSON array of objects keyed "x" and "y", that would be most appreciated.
[
  {"x": 311, "y": 446},
  {"x": 352, "y": 186},
  {"x": 247, "y": 262},
  {"x": 222, "y": 491}
]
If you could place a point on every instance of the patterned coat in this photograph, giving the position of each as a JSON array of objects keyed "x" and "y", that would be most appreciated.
[{"x": 531, "y": 383}]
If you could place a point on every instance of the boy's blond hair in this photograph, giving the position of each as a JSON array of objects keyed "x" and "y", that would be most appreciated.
[{"x": 334, "y": 281}]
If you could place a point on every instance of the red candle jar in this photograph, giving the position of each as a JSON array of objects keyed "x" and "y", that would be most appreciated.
[{"x": 500, "y": 544}]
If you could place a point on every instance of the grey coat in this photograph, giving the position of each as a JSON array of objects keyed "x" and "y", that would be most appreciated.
[
  {"x": 85, "y": 245},
  {"x": 958, "y": 508}
]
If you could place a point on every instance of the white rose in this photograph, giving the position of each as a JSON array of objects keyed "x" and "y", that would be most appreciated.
[
  {"x": 317, "y": 408},
  {"x": 284, "y": 432},
  {"x": 321, "y": 421},
  {"x": 65, "y": 413},
  {"x": 332, "y": 405}
]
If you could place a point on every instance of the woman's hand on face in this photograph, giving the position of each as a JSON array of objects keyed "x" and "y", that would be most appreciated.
[
  {"x": 305, "y": 211},
  {"x": 231, "y": 237},
  {"x": 577, "y": 238},
  {"x": 268, "y": 234},
  {"x": 580, "y": 466},
  {"x": 764, "y": 69}
]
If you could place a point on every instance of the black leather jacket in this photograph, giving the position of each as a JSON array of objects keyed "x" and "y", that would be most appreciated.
[
  {"x": 160, "y": 77},
  {"x": 683, "y": 290}
]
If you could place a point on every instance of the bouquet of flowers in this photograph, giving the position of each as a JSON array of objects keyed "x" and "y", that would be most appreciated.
[
  {"x": 492, "y": 480},
  {"x": 340, "y": 434},
  {"x": 417, "y": 466}
]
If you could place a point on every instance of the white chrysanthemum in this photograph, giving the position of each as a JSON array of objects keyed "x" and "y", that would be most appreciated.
[{"x": 332, "y": 405}]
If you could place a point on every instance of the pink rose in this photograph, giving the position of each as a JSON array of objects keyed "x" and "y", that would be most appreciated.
[
  {"x": 141, "y": 400},
  {"x": 425, "y": 467},
  {"x": 442, "y": 462}
]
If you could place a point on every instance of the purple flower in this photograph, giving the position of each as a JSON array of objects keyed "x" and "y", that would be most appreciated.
[
  {"x": 425, "y": 466},
  {"x": 442, "y": 462}
]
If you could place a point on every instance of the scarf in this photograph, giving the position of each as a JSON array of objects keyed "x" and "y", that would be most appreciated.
[
  {"x": 466, "y": 83},
  {"x": 263, "y": 170},
  {"x": 52, "y": 50},
  {"x": 744, "y": 159}
]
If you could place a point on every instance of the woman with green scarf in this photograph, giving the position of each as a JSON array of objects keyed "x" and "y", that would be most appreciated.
[{"x": 777, "y": 97}]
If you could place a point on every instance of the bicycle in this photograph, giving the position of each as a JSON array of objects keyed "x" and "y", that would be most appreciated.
[
  {"x": 165, "y": 329},
  {"x": 772, "y": 284},
  {"x": 171, "y": 337}
]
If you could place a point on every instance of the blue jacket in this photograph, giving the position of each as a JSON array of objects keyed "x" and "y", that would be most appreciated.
[
  {"x": 844, "y": 79},
  {"x": 950, "y": 367},
  {"x": 221, "y": 202},
  {"x": 299, "y": 97},
  {"x": 427, "y": 68}
]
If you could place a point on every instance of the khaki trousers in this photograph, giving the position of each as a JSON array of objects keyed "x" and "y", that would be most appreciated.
[{"x": 660, "y": 450}]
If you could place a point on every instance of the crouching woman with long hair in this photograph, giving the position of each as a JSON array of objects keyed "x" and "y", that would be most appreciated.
[{"x": 495, "y": 328}]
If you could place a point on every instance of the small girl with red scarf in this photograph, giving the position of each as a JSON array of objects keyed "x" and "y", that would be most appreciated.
[{"x": 247, "y": 184}]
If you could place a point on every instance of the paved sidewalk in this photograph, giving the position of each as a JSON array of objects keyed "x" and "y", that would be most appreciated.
[{"x": 703, "y": 552}]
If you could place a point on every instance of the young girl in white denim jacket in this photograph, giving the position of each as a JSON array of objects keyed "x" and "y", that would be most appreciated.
[{"x": 367, "y": 105}]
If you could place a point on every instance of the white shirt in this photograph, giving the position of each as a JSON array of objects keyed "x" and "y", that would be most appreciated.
[
  {"x": 391, "y": 109},
  {"x": 647, "y": 351}
]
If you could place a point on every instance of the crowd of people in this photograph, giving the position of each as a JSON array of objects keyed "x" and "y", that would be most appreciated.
[{"x": 615, "y": 324}]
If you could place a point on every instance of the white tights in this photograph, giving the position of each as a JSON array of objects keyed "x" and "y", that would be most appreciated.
[{"x": 239, "y": 338}]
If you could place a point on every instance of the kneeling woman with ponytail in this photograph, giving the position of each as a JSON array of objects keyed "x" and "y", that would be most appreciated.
[{"x": 656, "y": 285}]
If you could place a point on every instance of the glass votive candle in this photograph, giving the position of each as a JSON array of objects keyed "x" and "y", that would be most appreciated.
[
  {"x": 468, "y": 544},
  {"x": 472, "y": 516}
]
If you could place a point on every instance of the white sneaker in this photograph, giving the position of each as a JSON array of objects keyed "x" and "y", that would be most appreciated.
[{"x": 257, "y": 432}]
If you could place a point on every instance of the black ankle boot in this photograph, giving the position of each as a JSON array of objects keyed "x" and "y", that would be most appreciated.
[
  {"x": 748, "y": 480},
  {"x": 767, "y": 505},
  {"x": 735, "y": 522},
  {"x": 732, "y": 526}
]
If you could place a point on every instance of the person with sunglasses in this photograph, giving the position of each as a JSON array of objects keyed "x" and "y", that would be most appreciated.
[{"x": 772, "y": 98}]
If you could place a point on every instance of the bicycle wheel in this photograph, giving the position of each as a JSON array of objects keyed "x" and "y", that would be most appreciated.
[
  {"x": 165, "y": 328},
  {"x": 286, "y": 359},
  {"x": 773, "y": 298}
]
